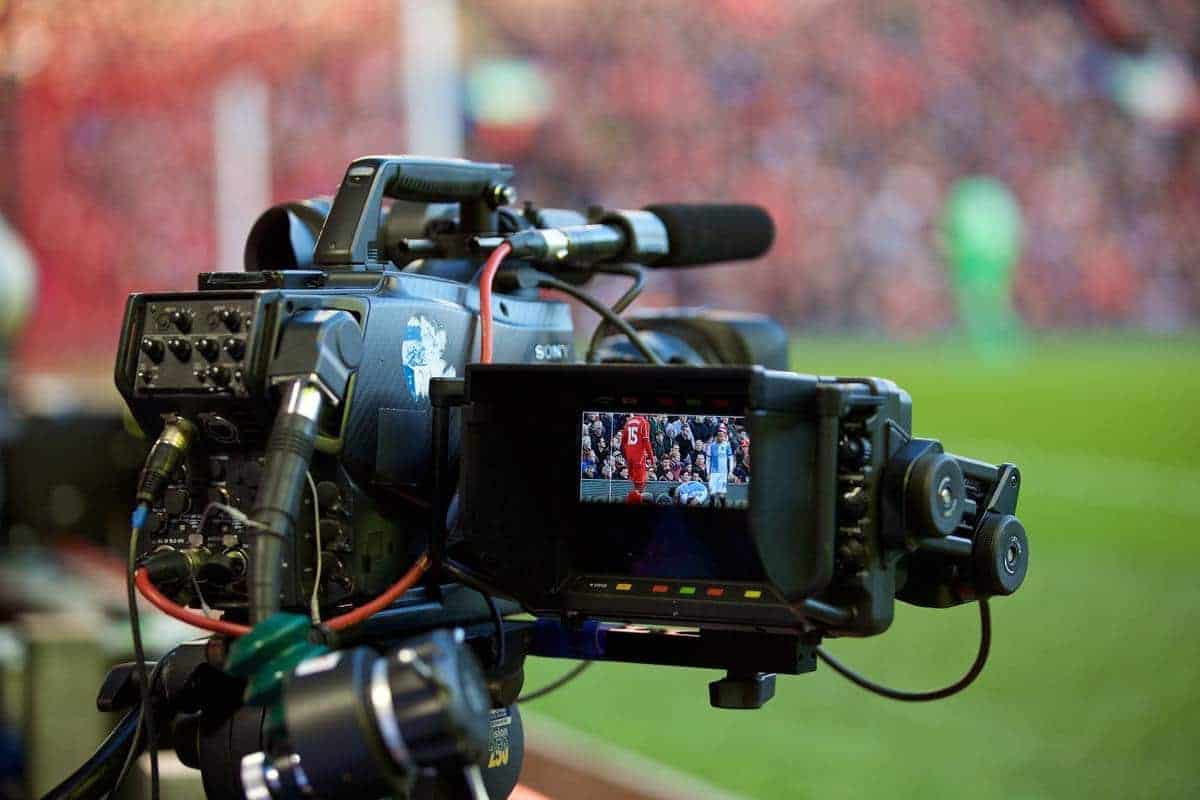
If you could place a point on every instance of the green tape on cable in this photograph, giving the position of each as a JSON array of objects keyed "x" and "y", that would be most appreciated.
[{"x": 267, "y": 655}]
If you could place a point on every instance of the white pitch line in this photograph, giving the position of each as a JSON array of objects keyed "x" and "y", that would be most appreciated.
[{"x": 644, "y": 775}]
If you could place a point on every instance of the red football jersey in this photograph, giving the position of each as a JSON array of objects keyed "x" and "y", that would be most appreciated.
[{"x": 635, "y": 441}]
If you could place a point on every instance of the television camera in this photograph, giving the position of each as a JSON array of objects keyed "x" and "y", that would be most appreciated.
[{"x": 371, "y": 475}]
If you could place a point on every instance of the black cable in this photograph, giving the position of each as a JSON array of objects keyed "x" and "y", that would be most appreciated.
[
  {"x": 464, "y": 575},
  {"x": 139, "y": 652},
  {"x": 132, "y": 755},
  {"x": 634, "y": 271},
  {"x": 498, "y": 621},
  {"x": 639, "y": 282},
  {"x": 95, "y": 776},
  {"x": 604, "y": 311},
  {"x": 570, "y": 675},
  {"x": 985, "y": 643}
]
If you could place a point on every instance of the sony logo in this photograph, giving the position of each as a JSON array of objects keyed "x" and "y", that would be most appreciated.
[{"x": 551, "y": 352}]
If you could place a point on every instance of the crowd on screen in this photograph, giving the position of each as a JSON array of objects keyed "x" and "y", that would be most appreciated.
[{"x": 680, "y": 444}]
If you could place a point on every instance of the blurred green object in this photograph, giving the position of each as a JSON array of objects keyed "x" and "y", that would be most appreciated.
[
  {"x": 1091, "y": 687},
  {"x": 508, "y": 91},
  {"x": 982, "y": 231}
]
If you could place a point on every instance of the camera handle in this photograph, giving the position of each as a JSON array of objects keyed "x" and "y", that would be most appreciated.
[{"x": 350, "y": 238}]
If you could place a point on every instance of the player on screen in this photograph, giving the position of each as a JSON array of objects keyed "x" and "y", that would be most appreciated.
[
  {"x": 639, "y": 454},
  {"x": 720, "y": 465}
]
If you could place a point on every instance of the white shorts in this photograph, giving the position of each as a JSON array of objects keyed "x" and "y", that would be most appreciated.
[{"x": 716, "y": 483}]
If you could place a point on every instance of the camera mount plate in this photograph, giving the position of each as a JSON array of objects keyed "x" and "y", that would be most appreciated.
[{"x": 750, "y": 658}]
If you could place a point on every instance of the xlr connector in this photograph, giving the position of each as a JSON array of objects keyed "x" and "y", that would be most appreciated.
[{"x": 165, "y": 457}]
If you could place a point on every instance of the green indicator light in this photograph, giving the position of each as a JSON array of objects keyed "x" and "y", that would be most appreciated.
[
  {"x": 693, "y": 402},
  {"x": 687, "y": 589}
]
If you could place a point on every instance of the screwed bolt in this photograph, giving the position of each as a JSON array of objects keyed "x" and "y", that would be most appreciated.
[{"x": 502, "y": 195}]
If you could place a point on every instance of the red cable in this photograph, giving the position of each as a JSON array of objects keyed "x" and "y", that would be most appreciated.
[
  {"x": 490, "y": 268},
  {"x": 384, "y": 600},
  {"x": 171, "y": 609},
  {"x": 415, "y": 572}
]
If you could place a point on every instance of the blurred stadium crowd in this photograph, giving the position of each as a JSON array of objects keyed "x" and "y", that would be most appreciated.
[
  {"x": 851, "y": 120},
  {"x": 680, "y": 444}
]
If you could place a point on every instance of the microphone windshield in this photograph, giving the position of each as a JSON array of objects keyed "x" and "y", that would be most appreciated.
[{"x": 708, "y": 233}]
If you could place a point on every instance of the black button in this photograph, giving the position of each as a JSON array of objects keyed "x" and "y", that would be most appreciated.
[
  {"x": 232, "y": 319},
  {"x": 182, "y": 348},
  {"x": 235, "y": 347},
  {"x": 176, "y": 501},
  {"x": 182, "y": 320},
  {"x": 854, "y": 451},
  {"x": 208, "y": 348},
  {"x": 328, "y": 494},
  {"x": 153, "y": 348},
  {"x": 854, "y": 503},
  {"x": 853, "y": 554}
]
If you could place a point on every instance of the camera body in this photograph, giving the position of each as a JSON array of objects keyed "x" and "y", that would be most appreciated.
[{"x": 326, "y": 429}]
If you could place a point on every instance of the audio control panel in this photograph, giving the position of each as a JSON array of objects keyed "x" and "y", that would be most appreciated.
[{"x": 195, "y": 346}]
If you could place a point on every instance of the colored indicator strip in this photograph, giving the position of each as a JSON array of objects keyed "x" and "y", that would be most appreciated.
[
  {"x": 659, "y": 588},
  {"x": 688, "y": 590},
  {"x": 714, "y": 591},
  {"x": 624, "y": 587},
  {"x": 753, "y": 594}
]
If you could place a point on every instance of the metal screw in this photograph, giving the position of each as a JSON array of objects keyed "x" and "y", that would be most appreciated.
[
  {"x": 947, "y": 498},
  {"x": 1011, "y": 555},
  {"x": 502, "y": 195}
]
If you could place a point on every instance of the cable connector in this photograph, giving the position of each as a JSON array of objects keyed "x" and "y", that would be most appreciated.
[
  {"x": 165, "y": 457},
  {"x": 169, "y": 567}
]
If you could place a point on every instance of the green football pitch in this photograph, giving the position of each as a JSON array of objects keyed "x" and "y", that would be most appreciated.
[{"x": 1093, "y": 687}]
